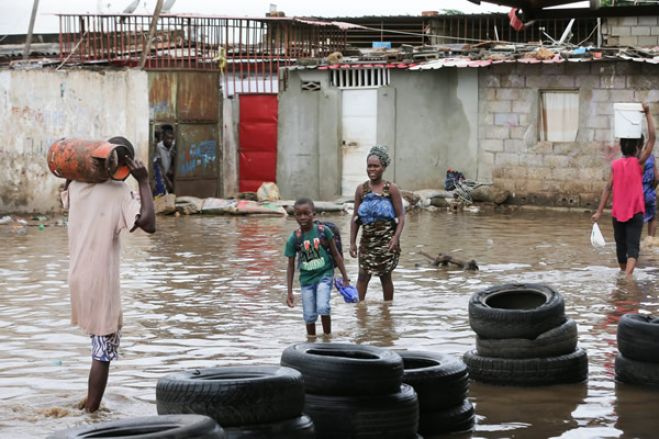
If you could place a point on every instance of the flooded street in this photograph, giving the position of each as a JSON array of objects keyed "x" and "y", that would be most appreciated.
[{"x": 210, "y": 291}]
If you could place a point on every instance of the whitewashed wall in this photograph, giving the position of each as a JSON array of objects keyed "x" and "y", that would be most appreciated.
[{"x": 41, "y": 106}]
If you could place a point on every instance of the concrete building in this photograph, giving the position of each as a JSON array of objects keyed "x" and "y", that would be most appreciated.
[{"x": 543, "y": 130}]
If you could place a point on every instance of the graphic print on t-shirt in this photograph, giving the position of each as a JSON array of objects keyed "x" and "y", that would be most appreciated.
[{"x": 310, "y": 256}]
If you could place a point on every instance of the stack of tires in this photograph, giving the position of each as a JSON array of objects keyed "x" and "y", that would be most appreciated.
[
  {"x": 354, "y": 391},
  {"x": 441, "y": 383},
  {"x": 638, "y": 343},
  {"x": 255, "y": 402},
  {"x": 523, "y": 338}
]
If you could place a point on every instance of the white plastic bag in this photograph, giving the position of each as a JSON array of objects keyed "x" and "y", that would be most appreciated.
[{"x": 596, "y": 237}]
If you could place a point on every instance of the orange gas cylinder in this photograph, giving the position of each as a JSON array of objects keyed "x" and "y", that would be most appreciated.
[{"x": 89, "y": 161}]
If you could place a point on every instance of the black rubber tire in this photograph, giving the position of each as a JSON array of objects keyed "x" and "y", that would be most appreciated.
[
  {"x": 440, "y": 380},
  {"x": 638, "y": 337},
  {"x": 636, "y": 372},
  {"x": 345, "y": 369},
  {"x": 515, "y": 311},
  {"x": 298, "y": 428},
  {"x": 233, "y": 396},
  {"x": 557, "y": 341},
  {"x": 453, "y": 419},
  {"x": 150, "y": 427},
  {"x": 570, "y": 368},
  {"x": 393, "y": 416}
]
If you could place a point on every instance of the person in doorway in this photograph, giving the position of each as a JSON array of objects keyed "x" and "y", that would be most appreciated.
[
  {"x": 379, "y": 212},
  {"x": 626, "y": 183},
  {"x": 650, "y": 180},
  {"x": 313, "y": 244},
  {"x": 166, "y": 156},
  {"x": 98, "y": 212}
]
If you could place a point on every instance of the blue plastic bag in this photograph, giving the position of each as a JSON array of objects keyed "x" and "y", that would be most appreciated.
[{"x": 348, "y": 292}]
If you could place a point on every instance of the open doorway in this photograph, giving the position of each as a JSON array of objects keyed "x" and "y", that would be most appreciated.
[{"x": 164, "y": 159}]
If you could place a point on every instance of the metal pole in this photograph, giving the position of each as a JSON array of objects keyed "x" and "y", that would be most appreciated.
[
  {"x": 28, "y": 39},
  {"x": 152, "y": 31}
]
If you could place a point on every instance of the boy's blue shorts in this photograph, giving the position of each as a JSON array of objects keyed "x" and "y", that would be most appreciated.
[
  {"x": 105, "y": 347},
  {"x": 316, "y": 299}
]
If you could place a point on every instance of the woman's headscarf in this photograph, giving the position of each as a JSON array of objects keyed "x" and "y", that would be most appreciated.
[{"x": 380, "y": 151}]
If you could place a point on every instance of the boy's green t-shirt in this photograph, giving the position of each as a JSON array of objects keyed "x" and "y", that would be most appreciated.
[{"x": 315, "y": 262}]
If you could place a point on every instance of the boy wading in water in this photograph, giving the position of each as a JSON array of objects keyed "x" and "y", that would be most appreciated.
[
  {"x": 98, "y": 212},
  {"x": 313, "y": 244}
]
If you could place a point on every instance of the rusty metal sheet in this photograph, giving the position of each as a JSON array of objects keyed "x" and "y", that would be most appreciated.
[
  {"x": 162, "y": 96},
  {"x": 198, "y": 96},
  {"x": 197, "y": 152}
]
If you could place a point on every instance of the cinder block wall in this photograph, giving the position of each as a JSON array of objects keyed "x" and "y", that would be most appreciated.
[
  {"x": 631, "y": 31},
  {"x": 568, "y": 174}
]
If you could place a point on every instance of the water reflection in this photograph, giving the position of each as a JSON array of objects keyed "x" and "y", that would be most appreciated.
[
  {"x": 375, "y": 324},
  {"x": 210, "y": 291}
]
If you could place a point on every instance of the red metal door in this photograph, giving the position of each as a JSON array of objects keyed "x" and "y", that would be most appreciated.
[{"x": 258, "y": 140}]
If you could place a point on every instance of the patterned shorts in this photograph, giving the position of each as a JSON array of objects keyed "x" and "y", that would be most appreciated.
[{"x": 104, "y": 347}]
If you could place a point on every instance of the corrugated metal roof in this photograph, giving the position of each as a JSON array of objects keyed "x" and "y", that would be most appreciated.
[{"x": 466, "y": 62}]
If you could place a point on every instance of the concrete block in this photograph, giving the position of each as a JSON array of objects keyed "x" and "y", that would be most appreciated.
[
  {"x": 551, "y": 81},
  {"x": 519, "y": 132},
  {"x": 514, "y": 146},
  {"x": 622, "y": 95},
  {"x": 621, "y": 31},
  {"x": 489, "y": 94},
  {"x": 557, "y": 161},
  {"x": 491, "y": 80},
  {"x": 604, "y": 108},
  {"x": 644, "y": 82},
  {"x": 628, "y": 41},
  {"x": 499, "y": 106},
  {"x": 497, "y": 132},
  {"x": 530, "y": 185},
  {"x": 563, "y": 148},
  {"x": 486, "y": 158},
  {"x": 589, "y": 200},
  {"x": 600, "y": 95},
  {"x": 533, "y": 160},
  {"x": 552, "y": 186},
  {"x": 627, "y": 68},
  {"x": 599, "y": 122},
  {"x": 648, "y": 41},
  {"x": 654, "y": 30},
  {"x": 628, "y": 21},
  {"x": 523, "y": 106},
  {"x": 648, "y": 21},
  {"x": 564, "y": 174},
  {"x": 543, "y": 148},
  {"x": 507, "y": 94},
  {"x": 484, "y": 172},
  {"x": 486, "y": 118},
  {"x": 513, "y": 80},
  {"x": 540, "y": 173},
  {"x": 506, "y": 159},
  {"x": 514, "y": 172},
  {"x": 507, "y": 119},
  {"x": 640, "y": 31},
  {"x": 612, "y": 41},
  {"x": 497, "y": 172},
  {"x": 491, "y": 145}
]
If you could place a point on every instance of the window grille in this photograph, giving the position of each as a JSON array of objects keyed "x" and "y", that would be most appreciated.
[
  {"x": 361, "y": 78},
  {"x": 310, "y": 85}
]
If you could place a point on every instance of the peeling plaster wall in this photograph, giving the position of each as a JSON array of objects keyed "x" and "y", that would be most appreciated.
[
  {"x": 556, "y": 173},
  {"x": 39, "y": 107}
]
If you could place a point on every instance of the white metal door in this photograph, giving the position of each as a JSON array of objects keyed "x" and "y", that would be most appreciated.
[{"x": 359, "y": 120}]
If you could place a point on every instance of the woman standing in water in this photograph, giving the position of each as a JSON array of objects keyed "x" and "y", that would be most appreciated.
[{"x": 379, "y": 212}]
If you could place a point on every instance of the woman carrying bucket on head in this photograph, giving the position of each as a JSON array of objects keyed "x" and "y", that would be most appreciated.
[{"x": 626, "y": 184}]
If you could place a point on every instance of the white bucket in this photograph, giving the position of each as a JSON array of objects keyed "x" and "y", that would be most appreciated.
[{"x": 628, "y": 120}]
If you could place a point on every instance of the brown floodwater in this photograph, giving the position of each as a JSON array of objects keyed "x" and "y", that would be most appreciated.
[{"x": 210, "y": 291}]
